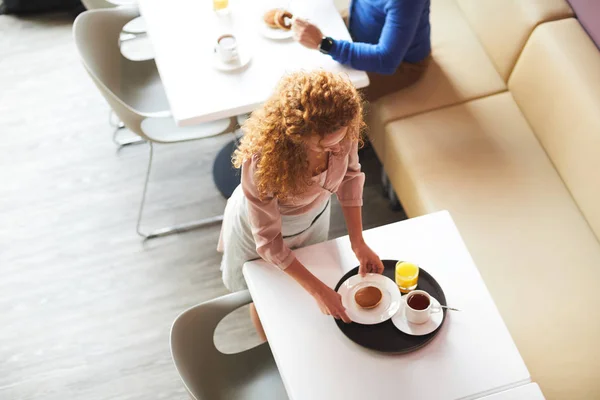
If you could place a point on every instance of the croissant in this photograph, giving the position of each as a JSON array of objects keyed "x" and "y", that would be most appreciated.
[
  {"x": 269, "y": 18},
  {"x": 283, "y": 19}
]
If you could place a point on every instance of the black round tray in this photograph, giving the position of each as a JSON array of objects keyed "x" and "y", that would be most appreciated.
[{"x": 385, "y": 337}]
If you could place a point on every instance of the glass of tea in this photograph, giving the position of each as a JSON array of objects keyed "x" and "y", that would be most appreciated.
[
  {"x": 419, "y": 307},
  {"x": 407, "y": 276}
]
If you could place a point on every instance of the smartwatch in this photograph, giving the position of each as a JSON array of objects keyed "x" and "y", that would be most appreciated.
[{"x": 326, "y": 45}]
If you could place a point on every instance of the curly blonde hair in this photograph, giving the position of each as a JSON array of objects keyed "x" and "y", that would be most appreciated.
[{"x": 304, "y": 104}]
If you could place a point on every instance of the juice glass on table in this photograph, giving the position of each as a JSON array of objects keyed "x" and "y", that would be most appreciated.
[
  {"x": 407, "y": 276},
  {"x": 219, "y": 5}
]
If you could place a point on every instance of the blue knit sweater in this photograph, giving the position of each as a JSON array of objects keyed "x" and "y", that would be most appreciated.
[{"x": 385, "y": 33}]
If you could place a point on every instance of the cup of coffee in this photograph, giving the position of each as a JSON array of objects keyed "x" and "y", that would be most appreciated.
[
  {"x": 226, "y": 48},
  {"x": 419, "y": 307}
]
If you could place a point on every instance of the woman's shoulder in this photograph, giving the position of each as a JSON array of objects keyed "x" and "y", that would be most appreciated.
[
  {"x": 348, "y": 146},
  {"x": 249, "y": 168}
]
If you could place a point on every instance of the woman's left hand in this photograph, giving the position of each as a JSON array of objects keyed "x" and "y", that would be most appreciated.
[{"x": 369, "y": 261}]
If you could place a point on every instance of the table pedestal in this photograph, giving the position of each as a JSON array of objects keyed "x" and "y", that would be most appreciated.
[{"x": 225, "y": 176}]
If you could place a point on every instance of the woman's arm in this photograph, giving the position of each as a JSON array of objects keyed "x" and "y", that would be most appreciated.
[
  {"x": 353, "y": 217},
  {"x": 368, "y": 259},
  {"x": 265, "y": 221},
  {"x": 350, "y": 196},
  {"x": 329, "y": 301}
]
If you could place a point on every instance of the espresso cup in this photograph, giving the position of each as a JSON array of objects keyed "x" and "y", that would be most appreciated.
[
  {"x": 226, "y": 48},
  {"x": 418, "y": 309}
]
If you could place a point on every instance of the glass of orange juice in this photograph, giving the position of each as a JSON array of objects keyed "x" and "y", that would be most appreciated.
[
  {"x": 220, "y": 5},
  {"x": 407, "y": 276}
]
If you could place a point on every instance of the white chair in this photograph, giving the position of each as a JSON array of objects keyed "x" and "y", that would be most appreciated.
[
  {"x": 97, "y": 4},
  {"x": 135, "y": 26},
  {"x": 135, "y": 93},
  {"x": 135, "y": 44},
  {"x": 130, "y": 74},
  {"x": 208, "y": 374}
]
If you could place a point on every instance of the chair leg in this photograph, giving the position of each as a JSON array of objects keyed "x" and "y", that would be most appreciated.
[
  {"x": 169, "y": 230},
  {"x": 114, "y": 121},
  {"x": 119, "y": 125},
  {"x": 238, "y": 134},
  {"x": 126, "y": 142}
]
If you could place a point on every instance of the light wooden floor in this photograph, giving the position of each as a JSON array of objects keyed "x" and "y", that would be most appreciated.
[{"x": 85, "y": 305}]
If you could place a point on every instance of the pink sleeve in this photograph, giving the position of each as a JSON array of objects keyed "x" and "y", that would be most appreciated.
[
  {"x": 350, "y": 191},
  {"x": 265, "y": 221}
]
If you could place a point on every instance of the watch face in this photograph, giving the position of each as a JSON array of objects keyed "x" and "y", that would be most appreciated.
[{"x": 326, "y": 45}]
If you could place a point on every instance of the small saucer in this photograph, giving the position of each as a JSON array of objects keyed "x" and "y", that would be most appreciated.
[
  {"x": 399, "y": 320},
  {"x": 275, "y": 33},
  {"x": 243, "y": 59},
  {"x": 388, "y": 306}
]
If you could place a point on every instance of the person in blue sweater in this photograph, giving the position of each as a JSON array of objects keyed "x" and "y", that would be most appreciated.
[{"x": 391, "y": 42}]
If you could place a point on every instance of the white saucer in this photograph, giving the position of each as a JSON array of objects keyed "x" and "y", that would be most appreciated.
[
  {"x": 243, "y": 59},
  {"x": 389, "y": 305},
  {"x": 399, "y": 320},
  {"x": 274, "y": 33}
]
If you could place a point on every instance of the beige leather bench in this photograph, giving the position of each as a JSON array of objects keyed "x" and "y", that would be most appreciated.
[
  {"x": 519, "y": 171},
  {"x": 468, "y": 60}
]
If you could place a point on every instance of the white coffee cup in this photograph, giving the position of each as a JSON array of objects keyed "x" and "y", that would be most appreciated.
[
  {"x": 416, "y": 316},
  {"x": 226, "y": 48}
]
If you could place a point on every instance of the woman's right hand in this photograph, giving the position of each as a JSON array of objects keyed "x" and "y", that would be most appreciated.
[{"x": 330, "y": 303}]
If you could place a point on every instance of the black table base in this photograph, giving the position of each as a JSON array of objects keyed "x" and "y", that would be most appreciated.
[{"x": 225, "y": 176}]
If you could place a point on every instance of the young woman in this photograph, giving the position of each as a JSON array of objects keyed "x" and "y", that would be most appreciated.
[{"x": 297, "y": 150}]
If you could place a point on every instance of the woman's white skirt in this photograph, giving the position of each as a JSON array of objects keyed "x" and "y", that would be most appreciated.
[{"x": 237, "y": 242}]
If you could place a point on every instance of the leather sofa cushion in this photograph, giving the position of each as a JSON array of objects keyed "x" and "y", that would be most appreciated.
[
  {"x": 556, "y": 84},
  {"x": 503, "y": 26},
  {"x": 460, "y": 70},
  {"x": 533, "y": 247}
]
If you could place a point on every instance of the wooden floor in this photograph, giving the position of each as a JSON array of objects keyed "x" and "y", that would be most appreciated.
[{"x": 85, "y": 305}]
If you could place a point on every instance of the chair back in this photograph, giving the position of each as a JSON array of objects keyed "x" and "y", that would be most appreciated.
[
  {"x": 209, "y": 374},
  {"x": 96, "y": 34},
  {"x": 96, "y": 4}
]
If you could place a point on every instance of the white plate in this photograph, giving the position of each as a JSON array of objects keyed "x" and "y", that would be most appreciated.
[
  {"x": 243, "y": 59},
  {"x": 274, "y": 33},
  {"x": 389, "y": 305},
  {"x": 400, "y": 321}
]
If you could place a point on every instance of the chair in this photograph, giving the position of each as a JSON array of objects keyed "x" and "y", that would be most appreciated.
[
  {"x": 135, "y": 45},
  {"x": 96, "y": 4},
  {"x": 135, "y": 93},
  {"x": 134, "y": 41},
  {"x": 135, "y": 26},
  {"x": 208, "y": 374}
]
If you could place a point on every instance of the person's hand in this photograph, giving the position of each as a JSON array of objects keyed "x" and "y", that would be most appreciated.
[
  {"x": 330, "y": 303},
  {"x": 307, "y": 34},
  {"x": 369, "y": 261}
]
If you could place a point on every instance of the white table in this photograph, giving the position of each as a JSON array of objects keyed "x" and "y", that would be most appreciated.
[
  {"x": 472, "y": 356},
  {"x": 184, "y": 32},
  {"x": 527, "y": 392}
]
